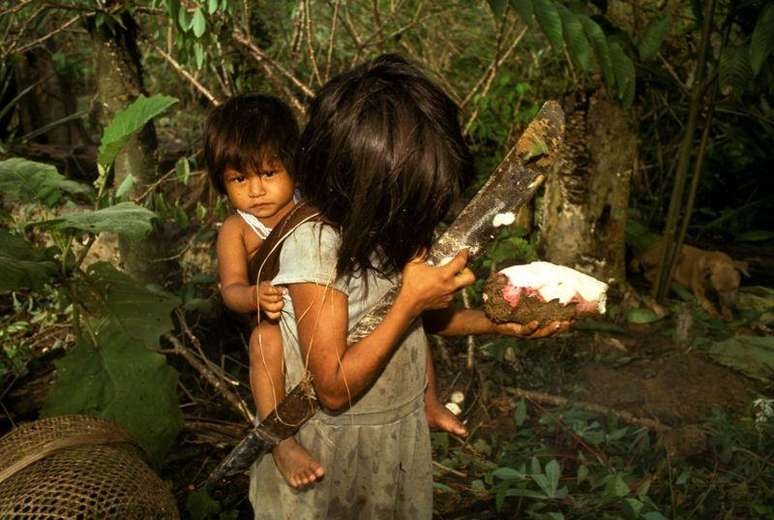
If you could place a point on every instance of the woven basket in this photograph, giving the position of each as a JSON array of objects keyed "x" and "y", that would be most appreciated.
[{"x": 78, "y": 466}]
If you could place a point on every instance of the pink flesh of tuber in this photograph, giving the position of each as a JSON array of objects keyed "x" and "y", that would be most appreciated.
[{"x": 546, "y": 281}]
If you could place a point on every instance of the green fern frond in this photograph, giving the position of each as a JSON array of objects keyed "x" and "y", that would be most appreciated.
[
  {"x": 587, "y": 43},
  {"x": 653, "y": 36},
  {"x": 549, "y": 20},
  {"x": 734, "y": 69},
  {"x": 575, "y": 39},
  {"x": 601, "y": 50},
  {"x": 762, "y": 42},
  {"x": 625, "y": 76}
]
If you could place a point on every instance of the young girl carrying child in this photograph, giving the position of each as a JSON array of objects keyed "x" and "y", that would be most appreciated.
[
  {"x": 249, "y": 142},
  {"x": 381, "y": 158}
]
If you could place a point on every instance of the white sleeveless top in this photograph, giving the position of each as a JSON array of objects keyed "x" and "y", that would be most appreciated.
[{"x": 261, "y": 229}]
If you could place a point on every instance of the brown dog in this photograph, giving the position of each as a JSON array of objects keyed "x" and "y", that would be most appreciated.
[{"x": 701, "y": 271}]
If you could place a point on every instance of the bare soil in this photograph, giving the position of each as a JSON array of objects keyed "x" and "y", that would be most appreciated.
[
  {"x": 677, "y": 388},
  {"x": 641, "y": 372}
]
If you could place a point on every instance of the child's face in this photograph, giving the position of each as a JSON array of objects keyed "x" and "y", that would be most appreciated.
[{"x": 267, "y": 194}]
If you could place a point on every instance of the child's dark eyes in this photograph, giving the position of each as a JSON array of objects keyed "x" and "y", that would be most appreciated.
[
  {"x": 270, "y": 173},
  {"x": 238, "y": 178}
]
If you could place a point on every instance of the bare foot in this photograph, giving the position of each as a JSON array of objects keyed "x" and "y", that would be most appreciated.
[
  {"x": 440, "y": 418},
  {"x": 296, "y": 464}
]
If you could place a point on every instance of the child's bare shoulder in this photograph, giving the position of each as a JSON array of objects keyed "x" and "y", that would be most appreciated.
[
  {"x": 232, "y": 229},
  {"x": 236, "y": 231},
  {"x": 233, "y": 223}
]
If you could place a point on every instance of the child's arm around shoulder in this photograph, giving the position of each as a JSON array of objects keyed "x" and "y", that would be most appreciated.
[{"x": 238, "y": 293}]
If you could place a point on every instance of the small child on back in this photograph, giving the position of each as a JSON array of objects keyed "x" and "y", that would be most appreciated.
[{"x": 249, "y": 143}]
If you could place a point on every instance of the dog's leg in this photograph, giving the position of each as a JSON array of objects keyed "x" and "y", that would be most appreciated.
[
  {"x": 698, "y": 280},
  {"x": 633, "y": 299}
]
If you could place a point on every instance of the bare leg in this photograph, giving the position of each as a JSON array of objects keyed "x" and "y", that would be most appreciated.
[
  {"x": 267, "y": 382},
  {"x": 438, "y": 416}
]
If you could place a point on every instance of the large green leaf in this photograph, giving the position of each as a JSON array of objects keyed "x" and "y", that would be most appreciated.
[
  {"x": 623, "y": 68},
  {"x": 549, "y": 20},
  {"x": 141, "y": 312},
  {"x": 601, "y": 48},
  {"x": 112, "y": 371},
  {"x": 762, "y": 42},
  {"x": 653, "y": 36},
  {"x": 129, "y": 121},
  {"x": 118, "y": 379},
  {"x": 125, "y": 218},
  {"x": 575, "y": 39},
  {"x": 29, "y": 181},
  {"x": 22, "y": 265}
]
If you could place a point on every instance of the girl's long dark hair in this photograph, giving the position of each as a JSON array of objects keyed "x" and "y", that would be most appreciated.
[{"x": 382, "y": 158}]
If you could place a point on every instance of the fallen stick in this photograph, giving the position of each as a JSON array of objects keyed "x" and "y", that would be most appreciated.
[
  {"x": 512, "y": 184},
  {"x": 449, "y": 470},
  {"x": 556, "y": 400},
  {"x": 217, "y": 383}
]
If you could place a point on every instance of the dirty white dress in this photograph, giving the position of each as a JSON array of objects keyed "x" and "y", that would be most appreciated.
[{"x": 376, "y": 455}]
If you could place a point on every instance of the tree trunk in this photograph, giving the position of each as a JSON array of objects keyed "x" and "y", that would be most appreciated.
[
  {"x": 119, "y": 82},
  {"x": 50, "y": 101},
  {"x": 583, "y": 215}
]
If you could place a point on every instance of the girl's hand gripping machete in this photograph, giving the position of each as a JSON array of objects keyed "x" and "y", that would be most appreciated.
[{"x": 512, "y": 184}]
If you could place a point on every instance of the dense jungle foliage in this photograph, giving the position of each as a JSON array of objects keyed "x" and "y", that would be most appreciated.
[{"x": 108, "y": 292}]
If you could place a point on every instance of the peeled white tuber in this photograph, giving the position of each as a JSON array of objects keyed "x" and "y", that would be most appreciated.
[{"x": 544, "y": 292}]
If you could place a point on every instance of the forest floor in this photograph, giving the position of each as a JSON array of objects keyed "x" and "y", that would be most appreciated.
[
  {"x": 530, "y": 458},
  {"x": 611, "y": 420},
  {"x": 637, "y": 371}
]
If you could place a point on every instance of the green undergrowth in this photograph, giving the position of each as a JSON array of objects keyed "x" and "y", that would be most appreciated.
[
  {"x": 566, "y": 463},
  {"x": 525, "y": 459},
  {"x": 113, "y": 321}
]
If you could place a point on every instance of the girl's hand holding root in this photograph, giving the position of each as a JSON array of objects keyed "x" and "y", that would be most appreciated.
[
  {"x": 532, "y": 330},
  {"x": 424, "y": 287},
  {"x": 270, "y": 300}
]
